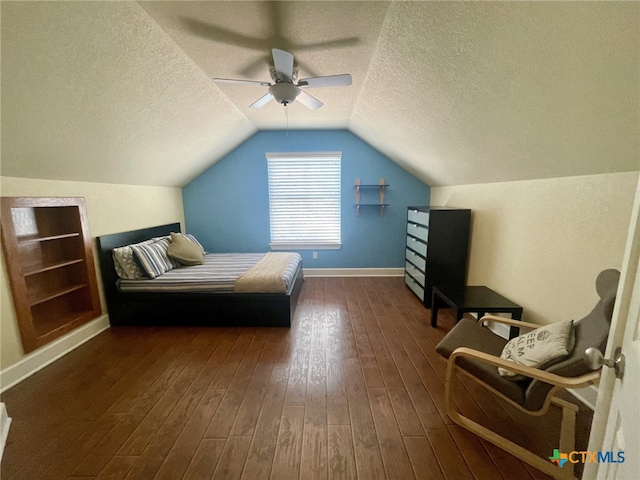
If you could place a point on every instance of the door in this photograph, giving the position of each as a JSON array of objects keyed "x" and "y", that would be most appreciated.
[{"x": 615, "y": 432}]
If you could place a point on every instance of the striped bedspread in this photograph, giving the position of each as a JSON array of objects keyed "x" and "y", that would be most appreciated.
[{"x": 217, "y": 274}]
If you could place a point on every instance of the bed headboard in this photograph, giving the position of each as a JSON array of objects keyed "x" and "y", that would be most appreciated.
[{"x": 106, "y": 243}]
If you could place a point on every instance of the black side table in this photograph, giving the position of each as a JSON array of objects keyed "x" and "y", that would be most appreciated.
[{"x": 478, "y": 299}]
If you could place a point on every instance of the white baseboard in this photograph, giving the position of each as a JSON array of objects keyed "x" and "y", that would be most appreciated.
[
  {"x": 353, "y": 272},
  {"x": 5, "y": 421},
  {"x": 48, "y": 354},
  {"x": 587, "y": 395},
  {"x": 499, "y": 329}
]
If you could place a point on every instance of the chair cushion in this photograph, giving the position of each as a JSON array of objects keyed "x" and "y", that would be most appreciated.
[{"x": 468, "y": 333}]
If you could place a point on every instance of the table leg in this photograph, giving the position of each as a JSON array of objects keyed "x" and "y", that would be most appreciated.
[
  {"x": 434, "y": 309},
  {"x": 515, "y": 331}
]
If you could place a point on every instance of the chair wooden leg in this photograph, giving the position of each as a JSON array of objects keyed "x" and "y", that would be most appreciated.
[
  {"x": 566, "y": 436},
  {"x": 567, "y": 428}
]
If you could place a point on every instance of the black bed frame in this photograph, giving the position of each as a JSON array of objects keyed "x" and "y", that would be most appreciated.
[{"x": 189, "y": 309}]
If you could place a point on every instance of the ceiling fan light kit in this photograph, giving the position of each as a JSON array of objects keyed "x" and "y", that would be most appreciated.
[
  {"x": 283, "y": 73},
  {"x": 284, "y": 92}
]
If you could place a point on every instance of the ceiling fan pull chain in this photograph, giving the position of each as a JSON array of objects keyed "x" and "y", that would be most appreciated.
[{"x": 286, "y": 115}]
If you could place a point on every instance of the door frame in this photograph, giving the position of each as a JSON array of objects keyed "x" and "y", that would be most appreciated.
[{"x": 621, "y": 310}]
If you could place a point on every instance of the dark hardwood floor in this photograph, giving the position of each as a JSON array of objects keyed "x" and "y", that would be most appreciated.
[{"x": 354, "y": 390}]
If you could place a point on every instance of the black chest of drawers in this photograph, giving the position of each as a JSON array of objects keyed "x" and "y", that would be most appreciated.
[{"x": 437, "y": 249}]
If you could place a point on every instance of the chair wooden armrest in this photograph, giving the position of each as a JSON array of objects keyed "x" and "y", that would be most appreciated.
[
  {"x": 508, "y": 321},
  {"x": 531, "y": 372}
]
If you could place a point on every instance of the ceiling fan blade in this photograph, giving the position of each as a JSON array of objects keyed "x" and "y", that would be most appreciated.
[
  {"x": 283, "y": 63},
  {"x": 233, "y": 80},
  {"x": 262, "y": 101},
  {"x": 326, "y": 81},
  {"x": 308, "y": 101}
]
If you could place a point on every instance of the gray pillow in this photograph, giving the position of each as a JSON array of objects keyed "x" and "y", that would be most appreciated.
[{"x": 184, "y": 250}]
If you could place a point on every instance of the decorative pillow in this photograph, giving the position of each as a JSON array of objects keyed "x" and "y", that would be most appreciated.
[
  {"x": 540, "y": 348},
  {"x": 185, "y": 250},
  {"x": 153, "y": 257},
  {"x": 125, "y": 262}
]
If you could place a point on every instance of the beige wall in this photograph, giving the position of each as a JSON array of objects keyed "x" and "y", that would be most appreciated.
[
  {"x": 542, "y": 242},
  {"x": 110, "y": 209}
]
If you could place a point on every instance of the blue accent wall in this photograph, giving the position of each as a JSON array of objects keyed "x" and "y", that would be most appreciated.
[{"x": 227, "y": 206}]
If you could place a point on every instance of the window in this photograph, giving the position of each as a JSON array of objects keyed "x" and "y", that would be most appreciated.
[{"x": 304, "y": 200}]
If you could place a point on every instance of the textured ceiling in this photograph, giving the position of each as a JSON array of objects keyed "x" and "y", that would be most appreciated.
[{"x": 455, "y": 92}]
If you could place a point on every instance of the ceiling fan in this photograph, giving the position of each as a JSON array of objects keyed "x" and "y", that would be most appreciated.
[{"x": 284, "y": 73}]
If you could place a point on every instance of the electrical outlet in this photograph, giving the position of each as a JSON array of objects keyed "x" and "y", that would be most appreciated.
[{"x": 315, "y": 255}]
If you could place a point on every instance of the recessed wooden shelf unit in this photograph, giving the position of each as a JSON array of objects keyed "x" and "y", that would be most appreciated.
[
  {"x": 49, "y": 260},
  {"x": 380, "y": 187}
]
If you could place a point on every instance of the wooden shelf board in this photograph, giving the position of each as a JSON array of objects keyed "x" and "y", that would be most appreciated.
[
  {"x": 55, "y": 327},
  {"x": 44, "y": 267},
  {"x": 37, "y": 238},
  {"x": 49, "y": 294}
]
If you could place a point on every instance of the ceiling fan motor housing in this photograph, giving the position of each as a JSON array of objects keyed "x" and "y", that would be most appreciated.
[
  {"x": 284, "y": 92},
  {"x": 277, "y": 76}
]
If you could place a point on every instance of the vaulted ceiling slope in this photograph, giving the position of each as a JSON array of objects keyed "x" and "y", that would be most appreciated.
[{"x": 455, "y": 92}]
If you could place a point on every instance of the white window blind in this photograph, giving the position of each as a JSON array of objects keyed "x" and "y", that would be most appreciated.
[{"x": 304, "y": 200}]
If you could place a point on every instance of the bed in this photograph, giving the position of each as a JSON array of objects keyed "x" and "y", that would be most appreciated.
[{"x": 175, "y": 305}]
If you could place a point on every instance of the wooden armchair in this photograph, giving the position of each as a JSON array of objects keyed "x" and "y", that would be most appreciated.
[{"x": 473, "y": 350}]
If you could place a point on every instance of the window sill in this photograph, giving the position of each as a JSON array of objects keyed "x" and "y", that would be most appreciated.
[{"x": 305, "y": 246}]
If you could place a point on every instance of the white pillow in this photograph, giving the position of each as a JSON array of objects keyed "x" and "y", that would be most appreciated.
[{"x": 539, "y": 348}]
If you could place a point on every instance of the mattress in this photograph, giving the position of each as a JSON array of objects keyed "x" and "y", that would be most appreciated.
[{"x": 217, "y": 274}]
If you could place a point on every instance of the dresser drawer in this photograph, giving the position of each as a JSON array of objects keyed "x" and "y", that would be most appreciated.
[
  {"x": 417, "y": 274},
  {"x": 417, "y": 216},
  {"x": 416, "y": 259},
  {"x": 414, "y": 286},
  {"x": 418, "y": 231},
  {"x": 417, "y": 246}
]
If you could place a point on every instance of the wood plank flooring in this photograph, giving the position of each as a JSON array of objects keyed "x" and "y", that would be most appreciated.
[{"x": 354, "y": 390}]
